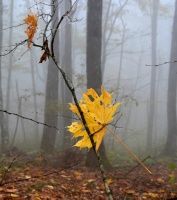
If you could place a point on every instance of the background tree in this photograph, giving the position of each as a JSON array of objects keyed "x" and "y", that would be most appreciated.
[
  {"x": 151, "y": 116},
  {"x": 51, "y": 99},
  {"x": 67, "y": 63},
  {"x": 9, "y": 79},
  {"x": 134, "y": 77},
  {"x": 109, "y": 28},
  {"x": 32, "y": 64},
  {"x": 171, "y": 141},
  {"x": 93, "y": 63},
  {"x": 3, "y": 124}
]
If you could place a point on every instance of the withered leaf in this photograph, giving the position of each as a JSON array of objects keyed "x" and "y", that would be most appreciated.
[{"x": 46, "y": 53}]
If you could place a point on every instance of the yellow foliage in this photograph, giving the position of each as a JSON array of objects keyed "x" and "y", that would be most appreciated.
[{"x": 98, "y": 112}]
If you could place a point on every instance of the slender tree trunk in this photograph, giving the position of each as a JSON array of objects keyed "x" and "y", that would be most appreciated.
[
  {"x": 104, "y": 40},
  {"x": 171, "y": 145},
  {"x": 158, "y": 87},
  {"x": 68, "y": 70},
  {"x": 120, "y": 66},
  {"x": 129, "y": 113},
  {"x": 20, "y": 112},
  {"x": 3, "y": 124},
  {"x": 93, "y": 59},
  {"x": 10, "y": 61},
  {"x": 51, "y": 99},
  {"x": 121, "y": 54},
  {"x": 18, "y": 118},
  {"x": 153, "y": 75},
  {"x": 106, "y": 35},
  {"x": 61, "y": 82},
  {"x": 33, "y": 85},
  {"x": 34, "y": 93}
]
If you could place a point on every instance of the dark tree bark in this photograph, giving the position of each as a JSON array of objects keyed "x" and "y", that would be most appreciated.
[
  {"x": 3, "y": 124},
  {"x": 94, "y": 40},
  {"x": 171, "y": 145},
  {"x": 153, "y": 74},
  {"x": 51, "y": 99},
  {"x": 93, "y": 59}
]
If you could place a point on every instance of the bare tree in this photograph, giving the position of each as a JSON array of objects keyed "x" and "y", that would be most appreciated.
[
  {"x": 51, "y": 99},
  {"x": 171, "y": 145},
  {"x": 8, "y": 92},
  {"x": 94, "y": 73},
  {"x": 108, "y": 32},
  {"x": 151, "y": 116},
  {"x": 68, "y": 70},
  {"x": 3, "y": 124},
  {"x": 32, "y": 61}
]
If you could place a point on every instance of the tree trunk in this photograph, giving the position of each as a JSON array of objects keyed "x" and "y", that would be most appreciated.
[
  {"x": 93, "y": 59},
  {"x": 10, "y": 61},
  {"x": 68, "y": 70},
  {"x": 51, "y": 99},
  {"x": 20, "y": 113},
  {"x": 171, "y": 145},
  {"x": 153, "y": 75},
  {"x": 3, "y": 124},
  {"x": 34, "y": 93}
]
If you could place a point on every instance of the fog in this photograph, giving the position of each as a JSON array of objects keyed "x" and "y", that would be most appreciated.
[{"x": 126, "y": 70}]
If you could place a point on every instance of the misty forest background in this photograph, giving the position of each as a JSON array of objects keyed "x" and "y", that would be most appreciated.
[{"x": 111, "y": 42}]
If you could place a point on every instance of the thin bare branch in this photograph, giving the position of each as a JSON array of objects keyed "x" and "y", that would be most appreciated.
[
  {"x": 13, "y": 26},
  {"x": 15, "y": 47},
  {"x": 27, "y": 118},
  {"x": 137, "y": 165},
  {"x": 164, "y": 63},
  {"x": 57, "y": 115}
]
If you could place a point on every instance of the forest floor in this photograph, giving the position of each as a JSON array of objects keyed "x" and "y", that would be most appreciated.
[{"x": 38, "y": 178}]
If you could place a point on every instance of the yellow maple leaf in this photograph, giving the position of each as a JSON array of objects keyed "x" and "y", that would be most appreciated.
[
  {"x": 98, "y": 112},
  {"x": 31, "y": 21}
]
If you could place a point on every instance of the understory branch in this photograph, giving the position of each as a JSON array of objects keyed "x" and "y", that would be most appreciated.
[{"x": 27, "y": 118}]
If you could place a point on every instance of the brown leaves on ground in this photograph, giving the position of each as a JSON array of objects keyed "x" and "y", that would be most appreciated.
[
  {"x": 31, "y": 21},
  {"x": 35, "y": 180}
]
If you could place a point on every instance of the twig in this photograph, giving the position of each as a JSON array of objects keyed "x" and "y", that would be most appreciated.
[
  {"x": 27, "y": 118},
  {"x": 137, "y": 165},
  {"x": 47, "y": 174},
  {"x": 6, "y": 171},
  {"x": 13, "y": 26},
  {"x": 164, "y": 63},
  {"x": 16, "y": 46}
]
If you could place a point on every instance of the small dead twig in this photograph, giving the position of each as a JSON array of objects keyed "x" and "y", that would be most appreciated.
[
  {"x": 27, "y": 118},
  {"x": 47, "y": 174},
  {"x": 13, "y": 49},
  {"x": 6, "y": 171},
  {"x": 136, "y": 166},
  {"x": 13, "y": 26},
  {"x": 164, "y": 63}
]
